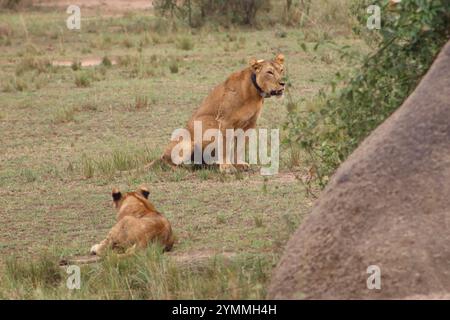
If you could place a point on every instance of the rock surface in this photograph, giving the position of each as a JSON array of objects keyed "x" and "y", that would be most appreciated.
[{"x": 387, "y": 205}]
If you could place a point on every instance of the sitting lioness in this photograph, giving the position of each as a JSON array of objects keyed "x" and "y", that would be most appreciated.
[
  {"x": 138, "y": 223},
  {"x": 235, "y": 104}
]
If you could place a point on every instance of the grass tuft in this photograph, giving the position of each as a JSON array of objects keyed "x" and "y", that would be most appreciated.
[
  {"x": 41, "y": 274},
  {"x": 140, "y": 103},
  {"x": 76, "y": 65},
  {"x": 30, "y": 63},
  {"x": 173, "y": 66},
  {"x": 28, "y": 175},
  {"x": 64, "y": 115},
  {"x": 185, "y": 43},
  {"x": 106, "y": 61},
  {"x": 87, "y": 167},
  {"x": 83, "y": 80}
]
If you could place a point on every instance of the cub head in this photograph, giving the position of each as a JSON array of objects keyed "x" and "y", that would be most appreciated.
[
  {"x": 269, "y": 75},
  {"x": 119, "y": 198}
]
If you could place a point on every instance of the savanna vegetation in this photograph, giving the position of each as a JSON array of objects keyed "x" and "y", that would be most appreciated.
[
  {"x": 82, "y": 111},
  {"x": 338, "y": 119}
]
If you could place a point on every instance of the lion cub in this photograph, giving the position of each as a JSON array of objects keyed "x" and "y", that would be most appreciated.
[{"x": 138, "y": 223}]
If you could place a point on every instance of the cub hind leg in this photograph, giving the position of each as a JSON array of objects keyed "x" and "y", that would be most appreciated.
[{"x": 119, "y": 236}]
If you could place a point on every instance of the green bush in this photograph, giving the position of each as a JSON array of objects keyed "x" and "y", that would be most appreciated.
[
  {"x": 14, "y": 4},
  {"x": 412, "y": 33},
  {"x": 196, "y": 12}
]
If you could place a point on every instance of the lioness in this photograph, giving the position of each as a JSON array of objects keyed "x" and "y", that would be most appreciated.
[
  {"x": 235, "y": 104},
  {"x": 138, "y": 223}
]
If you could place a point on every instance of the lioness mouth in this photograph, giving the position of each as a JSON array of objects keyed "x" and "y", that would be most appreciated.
[
  {"x": 261, "y": 92},
  {"x": 277, "y": 92}
]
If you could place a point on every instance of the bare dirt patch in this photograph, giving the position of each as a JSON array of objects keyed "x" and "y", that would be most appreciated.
[
  {"x": 87, "y": 62},
  {"x": 199, "y": 256},
  {"x": 103, "y": 6}
]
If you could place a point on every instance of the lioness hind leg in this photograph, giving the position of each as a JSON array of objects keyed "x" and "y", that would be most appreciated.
[
  {"x": 117, "y": 237},
  {"x": 129, "y": 252}
]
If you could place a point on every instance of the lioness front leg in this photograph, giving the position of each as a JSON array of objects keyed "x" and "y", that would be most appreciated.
[
  {"x": 241, "y": 144},
  {"x": 240, "y": 149},
  {"x": 239, "y": 156},
  {"x": 228, "y": 152}
]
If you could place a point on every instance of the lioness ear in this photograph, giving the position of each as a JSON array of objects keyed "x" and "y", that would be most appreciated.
[
  {"x": 255, "y": 64},
  {"x": 279, "y": 59},
  {"x": 116, "y": 195},
  {"x": 144, "y": 191}
]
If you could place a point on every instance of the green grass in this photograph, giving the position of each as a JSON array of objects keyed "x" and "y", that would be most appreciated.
[
  {"x": 147, "y": 275},
  {"x": 71, "y": 134}
]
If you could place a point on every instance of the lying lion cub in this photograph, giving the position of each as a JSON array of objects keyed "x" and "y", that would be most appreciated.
[
  {"x": 235, "y": 104},
  {"x": 138, "y": 223}
]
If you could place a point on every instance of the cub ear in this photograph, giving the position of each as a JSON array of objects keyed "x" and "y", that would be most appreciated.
[
  {"x": 279, "y": 59},
  {"x": 255, "y": 64},
  {"x": 116, "y": 195},
  {"x": 144, "y": 191}
]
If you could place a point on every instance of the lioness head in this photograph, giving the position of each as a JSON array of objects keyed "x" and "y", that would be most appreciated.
[
  {"x": 119, "y": 199},
  {"x": 269, "y": 75}
]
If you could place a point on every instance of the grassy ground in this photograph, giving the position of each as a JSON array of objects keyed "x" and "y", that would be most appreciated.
[{"x": 69, "y": 135}]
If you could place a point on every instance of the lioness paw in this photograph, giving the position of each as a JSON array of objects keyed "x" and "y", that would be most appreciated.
[
  {"x": 94, "y": 249},
  {"x": 227, "y": 168},
  {"x": 242, "y": 166}
]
